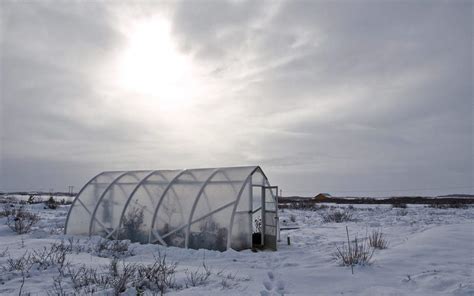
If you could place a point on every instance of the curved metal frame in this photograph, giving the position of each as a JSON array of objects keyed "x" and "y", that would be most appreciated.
[
  {"x": 170, "y": 184},
  {"x": 155, "y": 172},
  {"x": 130, "y": 198},
  {"x": 196, "y": 199},
  {"x": 102, "y": 196},
  {"x": 132, "y": 194},
  {"x": 77, "y": 198}
]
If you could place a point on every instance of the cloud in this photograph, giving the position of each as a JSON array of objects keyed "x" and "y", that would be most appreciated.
[{"x": 325, "y": 95}]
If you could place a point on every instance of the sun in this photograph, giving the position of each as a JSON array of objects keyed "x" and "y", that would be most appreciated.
[{"x": 153, "y": 68}]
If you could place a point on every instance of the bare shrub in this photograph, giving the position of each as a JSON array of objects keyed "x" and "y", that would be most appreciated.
[
  {"x": 301, "y": 205},
  {"x": 293, "y": 218},
  {"x": 319, "y": 207},
  {"x": 354, "y": 253},
  {"x": 91, "y": 280},
  {"x": 42, "y": 259},
  {"x": 226, "y": 284},
  {"x": 399, "y": 205},
  {"x": 66, "y": 202},
  {"x": 87, "y": 280},
  {"x": 56, "y": 228},
  {"x": 120, "y": 277},
  {"x": 58, "y": 288},
  {"x": 337, "y": 217},
  {"x": 377, "y": 240},
  {"x": 448, "y": 206},
  {"x": 402, "y": 212},
  {"x": 51, "y": 203},
  {"x": 22, "y": 220},
  {"x": 197, "y": 277},
  {"x": 84, "y": 280},
  {"x": 46, "y": 257},
  {"x": 4, "y": 252},
  {"x": 132, "y": 222},
  {"x": 22, "y": 263},
  {"x": 7, "y": 210},
  {"x": 113, "y": 248},
  {"x": 74, "y": 246},
  {"x": 23, "y": 279},
  {"x": 158, "y": 277},
  {"x": 20, "y": 266},
  {"x": 70, "y": 245},
  {"x": 229, "y": 280},
  {"x": 114, "y": 278},
  {"x": 33, "y": 200}
]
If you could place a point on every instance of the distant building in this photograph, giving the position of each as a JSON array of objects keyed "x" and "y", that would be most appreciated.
[{"x": 322, "y": 196}]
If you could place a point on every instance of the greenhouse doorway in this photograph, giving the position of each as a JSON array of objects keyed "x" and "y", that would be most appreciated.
[{"x": 267, "y": 236}]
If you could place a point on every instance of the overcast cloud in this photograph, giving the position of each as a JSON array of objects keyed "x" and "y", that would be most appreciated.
[{"x": 346, "y": 97}]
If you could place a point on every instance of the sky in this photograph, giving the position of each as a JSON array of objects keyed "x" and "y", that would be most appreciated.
[{"x": 364, "y": 98}]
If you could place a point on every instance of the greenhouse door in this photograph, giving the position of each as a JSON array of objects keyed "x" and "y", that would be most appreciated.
[{"x": 269, "y": 217}]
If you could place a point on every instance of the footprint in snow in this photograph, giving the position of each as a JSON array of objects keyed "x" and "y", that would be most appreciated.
[{"x": 273, "y": 287}]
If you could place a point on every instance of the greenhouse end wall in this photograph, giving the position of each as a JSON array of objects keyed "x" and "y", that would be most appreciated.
[{"x": 211, "y": 208}]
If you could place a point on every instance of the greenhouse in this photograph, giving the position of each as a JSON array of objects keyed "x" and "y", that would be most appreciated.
[{"x": 212, "y": 208}]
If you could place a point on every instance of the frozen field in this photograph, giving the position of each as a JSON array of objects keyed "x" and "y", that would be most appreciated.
[{"x": 430, "y": 252}]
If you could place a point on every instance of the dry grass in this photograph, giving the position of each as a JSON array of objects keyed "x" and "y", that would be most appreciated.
[
  {"x": 354, "y": 253},
  {"x": 377, "y": 240},
  {"x": 448, "y": 206},
  {"x": 7, "y": 210},
  {"x": 197, "y": 277},
  {"x": 337, "y": 217}
]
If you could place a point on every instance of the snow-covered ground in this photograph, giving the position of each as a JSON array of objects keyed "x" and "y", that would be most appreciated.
[
  {"x": 430, "y": 252},
  {"x": 36, "y": 197}
]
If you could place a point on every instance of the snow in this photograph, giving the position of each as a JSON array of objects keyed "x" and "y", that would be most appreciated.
[
  {"x": 37, "y": 197},
  {"x": 430, "y": 253}
]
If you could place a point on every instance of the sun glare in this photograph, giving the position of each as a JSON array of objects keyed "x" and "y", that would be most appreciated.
[{"x": 153, "y": 68}]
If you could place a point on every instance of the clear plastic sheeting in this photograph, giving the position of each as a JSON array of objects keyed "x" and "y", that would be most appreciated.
[{"x": 210, "y": 208}]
